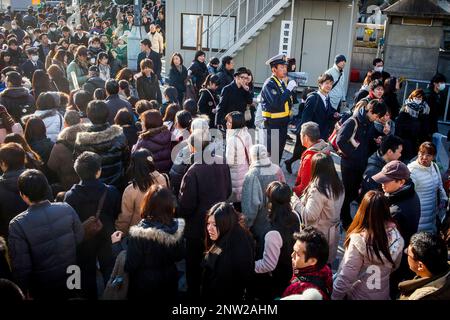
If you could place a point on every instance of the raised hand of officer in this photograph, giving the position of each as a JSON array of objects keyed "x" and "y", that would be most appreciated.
[{"x": 292, "y": 85}]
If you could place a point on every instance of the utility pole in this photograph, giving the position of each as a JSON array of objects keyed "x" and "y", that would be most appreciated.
[{"x": 136, "y": 35}]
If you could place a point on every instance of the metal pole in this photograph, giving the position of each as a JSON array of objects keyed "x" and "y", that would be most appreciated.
[
  {"x": 246, "y": 12},
  {"x": 351, "y": 30},
  {"x": 238, "y": 20},
  {"x": 292, "y": 12},
  {"x": 210, "y": 21},
  {"x": 446, "y": 106},
  {"x": 406, "y": 91}
]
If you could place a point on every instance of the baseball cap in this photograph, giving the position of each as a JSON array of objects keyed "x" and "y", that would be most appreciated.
[{"x": 394, "y": 170}]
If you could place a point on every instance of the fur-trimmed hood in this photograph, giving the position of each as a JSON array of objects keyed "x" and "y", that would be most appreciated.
[
  {"x": 69, "y": 134},
  {"x": 97, "y": 137},
  {"x": 161, "y": 235}
]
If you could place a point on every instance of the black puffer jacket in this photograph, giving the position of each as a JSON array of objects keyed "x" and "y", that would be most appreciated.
[
  {"x": 153, "y": 250},
  {"x": 18, "y": 102},
  {"x": 42, "y": 244},
  {"x": 225, "y": 78},
  {"x": 374, "y": 166},
  {"x": 11, "y": 204},
  {"x": 110, "y": 143},
  {"x": 199, "y": 191},
  {"x": 228, "y": 267},
  {"x": 93, "y": 83},
  {"x": 355, "y": 157},
  {"x": 405, "y": 209}
]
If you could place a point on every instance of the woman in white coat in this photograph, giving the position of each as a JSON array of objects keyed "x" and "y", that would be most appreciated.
[
  {"x": 321, "y": 203},
  {"x": 238, "y": 144},
  {"x": 428, "y": 185}
]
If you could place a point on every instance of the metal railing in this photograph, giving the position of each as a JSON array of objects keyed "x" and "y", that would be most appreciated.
[
  {"x": 422, "y": 84},
  {"x": 236, "y": 9}
]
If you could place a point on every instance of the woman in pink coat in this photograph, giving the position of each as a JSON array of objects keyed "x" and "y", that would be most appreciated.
[{"x": 373, "y": 250}]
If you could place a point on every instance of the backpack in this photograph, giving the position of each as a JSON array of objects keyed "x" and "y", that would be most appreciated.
[{"x": 332, "y": 139}]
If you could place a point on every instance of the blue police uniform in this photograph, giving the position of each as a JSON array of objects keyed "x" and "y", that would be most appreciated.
[{"x": 276, "y": 107}]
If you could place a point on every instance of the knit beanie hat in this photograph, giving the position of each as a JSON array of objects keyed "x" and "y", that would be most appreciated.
[{"x": 339, "y": 58}]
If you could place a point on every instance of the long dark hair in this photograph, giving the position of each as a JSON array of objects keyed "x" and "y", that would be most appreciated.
[
  {"x": 35, "y": 129},
  {"x": 372, "y": 216},
  {"x": 140, "y": 169},
  {"x": 227, "y": 219},
  {"x": 40, "y": 82},
  {"x": 279, "y": 205},
  {"x": 324, "y": 176}
]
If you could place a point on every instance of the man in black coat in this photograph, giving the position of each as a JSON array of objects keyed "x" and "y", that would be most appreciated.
[
  {"x": 235, "y": 97},
  {"x": 148, "y": 53},
  {"x": 147, "y": 84},
  {"x": 225, "y": 73},
  {"x": 42, "y": 241},
  {"x": 108, "y": 141},
  {"x": 16, "y": 99},
  {"x": 15, "y": 52},
  {"x": 390, "y": 149},
  {"x": 29, "y": 20},
  {"x": 94, "y": 81},
  {"x": 12, "y": 163},
  {"x": 44, "y": 47},
  {"x": 353, "y": 140},
  {"x": 404, "y": 204},
  {"x": 80, "y": 37},
  {"x": 85, "y": 198},
  {"x": 114, "y": 101},
  {"x": 32, "y": 64},
  {"x": 318, "y": 108},
  {"x": 198, "y": 193}
]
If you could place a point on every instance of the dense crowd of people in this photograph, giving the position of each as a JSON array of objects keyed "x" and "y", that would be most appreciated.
[{"x": 156, "y": 189}]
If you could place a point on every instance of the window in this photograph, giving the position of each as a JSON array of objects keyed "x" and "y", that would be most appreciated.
[{"x": 222, "y": 36}]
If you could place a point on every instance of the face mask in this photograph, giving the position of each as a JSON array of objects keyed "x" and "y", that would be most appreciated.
[
  {"x": 52, "y": 29},
  {"x": 441, "y": 86},
  {"x": 417, "y": 101},
  {"x": 34, "y": 58},
  {"x": 378, "y": 69},
  {"x": 14, "y": 27},
  {"x": 92, "y": 60}
]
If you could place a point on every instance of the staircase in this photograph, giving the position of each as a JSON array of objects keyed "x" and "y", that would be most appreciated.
[{"x": 256, "y": 20}]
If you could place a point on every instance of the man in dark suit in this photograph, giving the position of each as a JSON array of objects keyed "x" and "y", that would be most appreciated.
[
  {"x": 235, "y": 96},
  {"x": 32, "y": 64},
  {"x": 318, "y": 107},
  {"x": 148, "y": 53},
  {"x": 44, "y": 47}
]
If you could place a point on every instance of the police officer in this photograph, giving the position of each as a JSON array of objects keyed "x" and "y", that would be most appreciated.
[{"x": 277, "y": 99}]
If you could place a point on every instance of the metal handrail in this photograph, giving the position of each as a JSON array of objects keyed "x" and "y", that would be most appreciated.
[
  {"x": 266, "y": 8},
  {"x": 229, "y": 9},
  {"x": 232, "y": 10}
]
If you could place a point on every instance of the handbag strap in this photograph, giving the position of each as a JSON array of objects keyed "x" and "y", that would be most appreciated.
[
  {"x": 245, "y": 150},
  {"x": 101, "y": 202}
]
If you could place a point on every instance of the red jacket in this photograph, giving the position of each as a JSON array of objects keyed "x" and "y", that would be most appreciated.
[
  {"x": 304, "y": 171},
  {"x": 311, "y": 278}
]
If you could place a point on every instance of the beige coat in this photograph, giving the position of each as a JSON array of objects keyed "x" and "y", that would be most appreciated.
[
  {"x": 323, "y": 213},
  {"x": 362, "y": 277},
  {"x": 131, "y": 204},
  {"x": 157, "y": 41}
]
